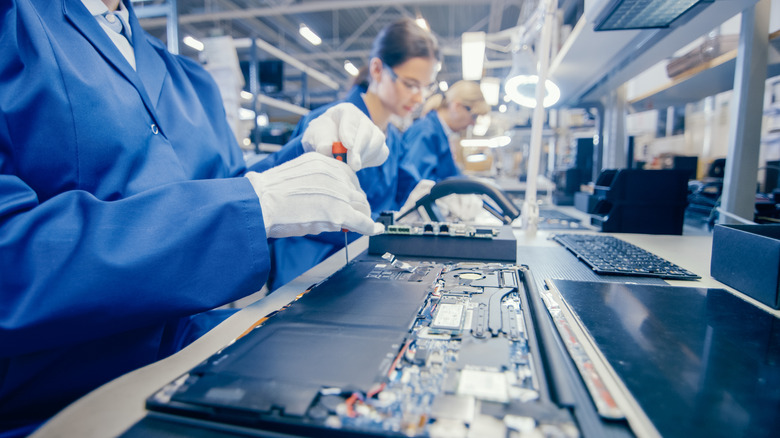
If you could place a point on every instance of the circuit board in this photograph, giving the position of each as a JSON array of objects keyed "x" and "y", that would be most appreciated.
[
  {"x": 468, "y": 354},
  {"x": 446, "y": 240},
  {"x": 432, "y": 350},
  {"x": 442, "y": 229}
]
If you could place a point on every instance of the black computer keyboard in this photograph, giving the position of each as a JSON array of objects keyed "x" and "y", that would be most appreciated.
[{"x": 610, "y": 255}]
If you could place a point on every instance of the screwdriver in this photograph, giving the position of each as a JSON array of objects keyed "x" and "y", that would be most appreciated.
[{"x": 340, "y": 153}]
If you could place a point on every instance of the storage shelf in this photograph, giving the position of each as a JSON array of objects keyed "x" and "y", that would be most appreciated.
[
  {"x": 706, "y": 79},
  {"x": 591, "y": 64}
]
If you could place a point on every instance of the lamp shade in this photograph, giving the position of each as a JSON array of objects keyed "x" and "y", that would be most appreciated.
[{"x": 520, "y": 84}]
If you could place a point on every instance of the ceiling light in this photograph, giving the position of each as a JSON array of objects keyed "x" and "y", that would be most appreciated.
[
  {"x": 475, "y": 143},
  {"x": 502, "y": 108},
  {"x": 521, "y": 89},
  {"x": 443, "y": 86},
  {"x": 192, "y": 42},
  {"x": 246, "y": 95},
  {"x": 476, "y": 158},
  {"x": 491, "y": 88},
  {"x": 245, "y": 114},
  {"x": 473, "y": 55},
  {"x": 481, "y": 125},
  {"x": 520, "y": 85},
  {"x": 651, "y": 14},
  {"x": 309, "y": 35},
  {"x": 350, "y": 68},
  {"x": 495, "y": 142},
  {"x": 421, "y": 22},
  {"x": 501, "y": 141}
]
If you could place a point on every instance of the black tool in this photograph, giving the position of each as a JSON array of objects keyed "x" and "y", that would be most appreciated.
[{"x": 463, "y": 185}]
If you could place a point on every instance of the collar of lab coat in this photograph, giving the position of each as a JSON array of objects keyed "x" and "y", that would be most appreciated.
[
  {"x": 444, "y": 126},
  {"x": 150, "y": 70}
]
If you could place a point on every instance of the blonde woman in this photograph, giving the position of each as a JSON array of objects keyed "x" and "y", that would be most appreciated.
[{"x": 427, "y": 141}]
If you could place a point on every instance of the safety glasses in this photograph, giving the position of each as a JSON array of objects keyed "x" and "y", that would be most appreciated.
[{"x": 411, "y": 85}]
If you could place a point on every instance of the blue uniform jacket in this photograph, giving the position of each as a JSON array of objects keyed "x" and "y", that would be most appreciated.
[
  {"x": 292, "y": 256},
  {"x": 428, "y": 154},
  {"x": 121, "y": 212}
]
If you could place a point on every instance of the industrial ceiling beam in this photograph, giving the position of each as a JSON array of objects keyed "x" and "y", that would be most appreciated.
[{"x": 314, "y": 6}]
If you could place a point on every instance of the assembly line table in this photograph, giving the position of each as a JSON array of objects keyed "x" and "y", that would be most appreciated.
[{"x": 116, "y": 406}]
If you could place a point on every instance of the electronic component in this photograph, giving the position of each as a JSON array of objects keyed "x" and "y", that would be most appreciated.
[
  {"x": 414, "y": 348},
  {"x": 397, "y": 263},
  {"x": 442, "y": 229},
  {"x": 444, "y": 239}
]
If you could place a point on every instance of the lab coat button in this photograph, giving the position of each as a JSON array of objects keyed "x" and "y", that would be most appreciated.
[{"x": 154, "y": 129}]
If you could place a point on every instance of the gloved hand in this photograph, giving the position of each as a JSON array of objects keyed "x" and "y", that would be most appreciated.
[
  {"x": 312, "y": 194},
  {"x": 460, "y": 207},
  {"x": 464, "y": 208},
  {"x": 364, "y": 141},
  {"x": 421, "y": 189}
]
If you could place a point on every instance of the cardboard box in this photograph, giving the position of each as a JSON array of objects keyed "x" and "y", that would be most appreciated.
[{"x": 747, "y": 258}]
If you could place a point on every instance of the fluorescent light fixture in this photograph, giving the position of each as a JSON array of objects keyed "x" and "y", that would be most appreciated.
[
  {"x": 491, "y": 88},
  {"x": 192, "y": 42},
  {"x": 422, "y": 23},
  {"x": 473, "y": 55},
  {"x": 246, "y": 95},
  {"x": 501, "y": 141},
  {"x": 495, "y": 142},
  {"x": 481, "y": 125},
  {"x": 444, "y": 86},
  {"x": 309, "y": 35},
  {"x": 475, "y": 142},
  {"x": 350, "y": 68},
  {"x": 476, "y": 158},
  {"x": 522, "y": 90},
  {"x": 245, "y": 114},
  {"x": 647, "y": 14}
]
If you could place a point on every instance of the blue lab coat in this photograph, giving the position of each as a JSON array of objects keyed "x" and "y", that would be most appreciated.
[
  {"x": 428, "y": 154},
  {"x": 293, "y": 256},
  {"x": 121, "y": 210}
]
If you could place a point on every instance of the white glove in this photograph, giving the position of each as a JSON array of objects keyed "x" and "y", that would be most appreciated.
[
  {"x": 421, "y": 189},
  {"x": 312, "y": 194},
  {"x": 364, "y": 141},
  {"x": 462, "y": 207}
]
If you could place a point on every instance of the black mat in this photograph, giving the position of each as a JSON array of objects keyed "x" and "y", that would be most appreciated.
[{"x": 700, "y": 362}]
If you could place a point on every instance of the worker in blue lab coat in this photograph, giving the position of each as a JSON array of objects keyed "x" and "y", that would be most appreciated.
[
  {"x": 428, "y": 141},
  {"x": 126, "y": 209},
  {"x": 399, "y": 76}
]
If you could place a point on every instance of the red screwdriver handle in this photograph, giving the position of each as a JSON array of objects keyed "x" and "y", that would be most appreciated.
[{"x": 339, "y": 151}]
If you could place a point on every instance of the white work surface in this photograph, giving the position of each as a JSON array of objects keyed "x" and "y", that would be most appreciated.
[{"x": 116, "y": 406}]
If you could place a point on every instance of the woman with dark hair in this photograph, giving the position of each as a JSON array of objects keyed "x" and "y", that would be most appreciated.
[
  {"x": 400, "y": 76},
  {"x": 127, "y": 212}
]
